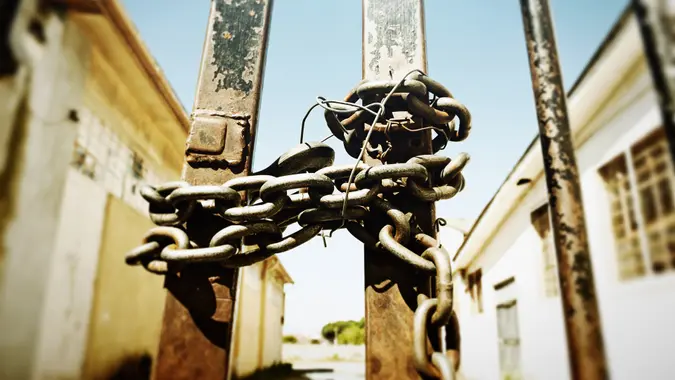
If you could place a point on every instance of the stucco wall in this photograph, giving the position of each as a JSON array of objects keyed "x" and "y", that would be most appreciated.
[
  {"x": 258, "y": 328},
  {"x": 636, "y": 315},
  {"x": 70, "y": 286},
  {"x": 272, "y": 326},
  {"x": 126, "y": 318},
  {"x": 34, "y": 175},
  {"x": 246, "y": 336}
]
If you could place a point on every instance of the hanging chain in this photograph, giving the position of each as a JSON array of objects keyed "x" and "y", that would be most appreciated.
[{"x": 304, "y": 188}]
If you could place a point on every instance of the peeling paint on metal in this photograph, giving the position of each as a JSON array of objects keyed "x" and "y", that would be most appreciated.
[
  {"x": 235, "y": 56},
  {"x": 582, "y": 319},
  {"x": 391, "y": 37}
]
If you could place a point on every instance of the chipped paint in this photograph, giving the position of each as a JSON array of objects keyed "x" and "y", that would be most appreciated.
[
  {"x": 582, "y": 319},
  {"x": 236, "y": 56},
  {"x": 230, "y": 81},
  {"x": 392, "y": 44}
]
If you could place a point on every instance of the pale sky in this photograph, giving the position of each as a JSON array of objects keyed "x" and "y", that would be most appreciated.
[{"x": 475, "y": 48}]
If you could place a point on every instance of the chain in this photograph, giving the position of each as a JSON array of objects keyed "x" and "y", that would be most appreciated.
[{"x": 303, "y": 188}]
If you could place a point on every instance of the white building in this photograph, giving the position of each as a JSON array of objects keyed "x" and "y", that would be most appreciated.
[
  {"x": 86, "y": 118},
  {"x": 505, "y": 271}
]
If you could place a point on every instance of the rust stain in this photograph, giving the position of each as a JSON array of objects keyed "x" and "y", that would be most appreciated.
[
  {"x": 9, "y": 176},
  {"x": 582, "y": 319}
]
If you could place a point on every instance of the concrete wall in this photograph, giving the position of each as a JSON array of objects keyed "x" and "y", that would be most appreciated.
[
  {"x": 636, "y": 315},
  {"x": 70, "y": 286},
  {"x": 76, "y": 120},
  {"x": 126, "y": 317},
  {"x": 246, "y": 335},
  {"x": 79, "y": 92},
  {"x": 258, "y": 328},
  {"x": 271, "y": 349},
  {"x": 49, "y": 84}
]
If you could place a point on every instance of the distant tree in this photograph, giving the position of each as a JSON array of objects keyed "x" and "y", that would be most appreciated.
[
  {"x": 290, "y": 339},
  {"x": 352, "y": 335},
  {"x": 315, "y": 341},
  {"x": 345, "y": 332}
]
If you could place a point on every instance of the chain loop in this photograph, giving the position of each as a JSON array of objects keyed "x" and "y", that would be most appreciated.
[
  {"x": 155, "y": 242},
  {"x": 303, "y": 187},
  {"x": 420, "y": 355},
  {"x": 441, "y": 260},
  {"x": 317, "y": 182},
  {"x": 262, "y": 253},
  {"x": 390, "y": 171},
  {"x": 162, "y": 211},
  {"x": 437, "y": 364},
  {"x": 444, "y": 365},
  {"x": 347, "y": 120},
  {"x": 387, "y": 241}
]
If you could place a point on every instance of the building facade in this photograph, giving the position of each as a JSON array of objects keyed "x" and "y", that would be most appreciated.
[
  {"x": 506, "y": 282},
  {"x": 86, "y": 118},
  {"x": 260, "y": 317}
]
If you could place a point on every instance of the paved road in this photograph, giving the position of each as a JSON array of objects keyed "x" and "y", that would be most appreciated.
[{"x": 329, "y": 371}]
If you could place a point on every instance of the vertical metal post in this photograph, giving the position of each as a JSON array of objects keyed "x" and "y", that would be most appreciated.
[
  {"x": 580, "y": 307},
  {"x": 656, "y": 19},
  {"x": 198, "y": 315},
  {"x": 394, "y": 44}
]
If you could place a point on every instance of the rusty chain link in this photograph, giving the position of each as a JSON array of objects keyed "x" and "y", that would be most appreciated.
[
  {"x": 303, "y": 187},
  {"x": 350, "y": 122}
]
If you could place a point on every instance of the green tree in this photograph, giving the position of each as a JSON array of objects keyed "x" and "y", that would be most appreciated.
[
  {"x": 352, "y": 335},
  {"x": 290, "y": 339},
  {"x": 345, "y": 332}
]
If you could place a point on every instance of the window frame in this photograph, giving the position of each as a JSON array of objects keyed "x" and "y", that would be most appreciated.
[
  {"x": 628, "y": 154},
  {"x": 474, "y": 282},
  {"x": 535, "y": 214}
]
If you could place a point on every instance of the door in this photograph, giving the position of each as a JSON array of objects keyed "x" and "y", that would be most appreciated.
[{"x": 509, "y": 340}]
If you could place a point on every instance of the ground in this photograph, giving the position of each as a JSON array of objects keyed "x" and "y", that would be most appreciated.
[
  {"x": 317, "y": 362},
  {"x": 328, "y": 371}
]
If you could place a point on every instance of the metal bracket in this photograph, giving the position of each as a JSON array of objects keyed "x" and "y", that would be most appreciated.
[{"x": 218, "y": 140}]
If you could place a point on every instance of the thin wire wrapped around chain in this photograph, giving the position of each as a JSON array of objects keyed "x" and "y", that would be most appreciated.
[
  {"x": 351, "y": 122},
  {"x": 313, "y": 200},
  {"x": 303, "y": 187}
]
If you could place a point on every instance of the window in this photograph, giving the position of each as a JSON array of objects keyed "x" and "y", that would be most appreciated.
[
  {"x": 541, "y": 221},
  {"x": 509, "y": 340},
  {"x": 101, "y": 155},
  {"x": 475, "y": 288},
  {"x": 640, "y": 184}
]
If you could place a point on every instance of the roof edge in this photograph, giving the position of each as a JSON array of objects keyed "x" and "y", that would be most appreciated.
[
  {"x": 602, "y": 48},
  {"x": 275, "y": 263},
  {"x": 113, "y": 11}
]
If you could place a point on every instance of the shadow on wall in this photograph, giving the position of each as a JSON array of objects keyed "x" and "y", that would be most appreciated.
[
  {"x": 136, "y": 367},
  {"x": 283, "y": 371}
]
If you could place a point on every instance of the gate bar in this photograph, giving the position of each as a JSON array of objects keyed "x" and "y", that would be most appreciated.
[
  {"x": 394, "y": 44},
  {"x": 198, "y": 315},
  {"x": 654, "y": 18},
  {"x": 582, "y": 318}
]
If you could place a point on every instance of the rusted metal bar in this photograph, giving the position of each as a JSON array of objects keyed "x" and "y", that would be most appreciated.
[
  {"x": 198, "y": 316},
  {"x": 580, "y": 306},
  {"x": 394, "y": 44},
  {"x": 656, "y": 19}
]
